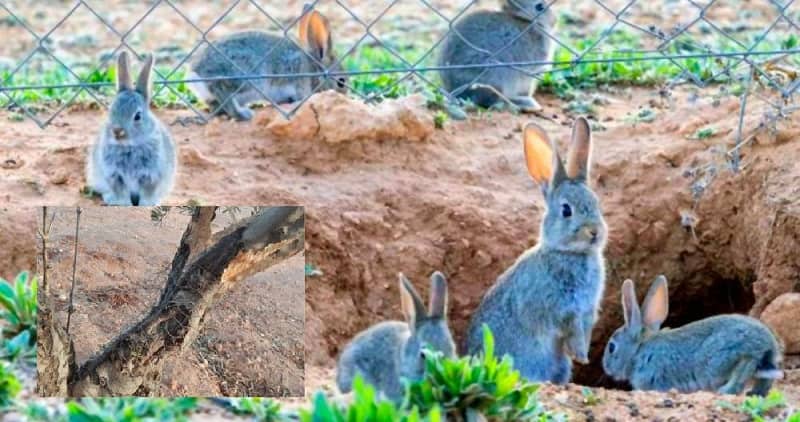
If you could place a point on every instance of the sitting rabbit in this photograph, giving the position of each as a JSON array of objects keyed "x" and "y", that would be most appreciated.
[
  {"x": 514, "y": 35},
  {"x": 720, "y": 353},
  {"x": 543, "y": 308},
  {"x": 134, "y": 160},
  {"x": 391, "y": 351},
  {"x": 260, "y": 53}
]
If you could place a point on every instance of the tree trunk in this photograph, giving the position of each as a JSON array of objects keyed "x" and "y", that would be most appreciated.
[{"x": 132, "y": 363}]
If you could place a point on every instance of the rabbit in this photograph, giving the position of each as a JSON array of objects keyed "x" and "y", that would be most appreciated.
[
  {"x": 391, "y": 351},
  {"x": 134, "y": 160},
  {"x": 543, "y": 308},
  {"x": 477, "y": 36},
  {"x": 261, "y": 53},
  {"x": 720, "y": 353}
]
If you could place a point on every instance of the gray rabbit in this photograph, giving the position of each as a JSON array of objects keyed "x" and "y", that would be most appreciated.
[
  {"x": 514, "y": 35},
  {"x": 719, "y": 353},
  {"x": 391, "y": 351},
  {"x": 261, "y": 53},
  {"x": 543, "y": 308},
  {"x": 134, "y": 160}
]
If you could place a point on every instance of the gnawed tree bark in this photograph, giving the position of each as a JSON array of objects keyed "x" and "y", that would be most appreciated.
[{"x": 132, "y": 363}]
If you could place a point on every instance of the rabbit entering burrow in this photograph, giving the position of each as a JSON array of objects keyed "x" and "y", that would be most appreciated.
[
  {"x": 516, "y": 34},
  {"x": 543, "y": 308},
  {"x": 261, "y": 53},
  {"x": 134, "y": 160},
  {"x": 721, "y": 353},
  {"x": 391, "y": 351}
]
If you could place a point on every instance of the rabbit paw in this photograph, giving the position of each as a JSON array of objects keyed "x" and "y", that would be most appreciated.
[
  {"x": 526, "y": 104},
  {"x": 576, "y": 348}
]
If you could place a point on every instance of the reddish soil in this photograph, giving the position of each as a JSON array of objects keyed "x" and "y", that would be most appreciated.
[{"x": 251, "y": 344}]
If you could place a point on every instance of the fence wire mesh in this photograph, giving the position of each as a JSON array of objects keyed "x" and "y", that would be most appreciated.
[{"x": 59, "y": 53}]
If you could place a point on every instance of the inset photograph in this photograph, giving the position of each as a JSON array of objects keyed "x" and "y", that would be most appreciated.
[{"x": 171, "y": 301}]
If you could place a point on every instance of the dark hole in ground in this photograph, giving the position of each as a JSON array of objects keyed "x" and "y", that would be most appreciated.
[{"x": 690, "y": 299}]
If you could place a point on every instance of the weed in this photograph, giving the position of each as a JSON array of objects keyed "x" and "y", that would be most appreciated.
[
  {"x": 703, "y": 133},
  {"x": 439, "y": 119},
  {"x": 485, "y": 384},
  {"x": 18, "y": 306},
  {"x": 130, "y": 409},
  {"x": 9, "y": 386},
  {"x": 758, "y": 408}
]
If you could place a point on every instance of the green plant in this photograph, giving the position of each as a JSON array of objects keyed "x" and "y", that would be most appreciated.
[
  {"x": 18, "y": 347},
  {"x": 704, "y": 133},
  {"x": 18, "y": 306},
  {"x": 439, "y": 119},
  {"x": 364, "y": 407},
  {"x": 312, "y": 271},
  {"x": 484, "y": 384},
  {"x": 758, "y": 408},
  {"x": 265, "y": 410},
  {"x": 9, "y": 386},
  {"x": 130, "y": 409}
]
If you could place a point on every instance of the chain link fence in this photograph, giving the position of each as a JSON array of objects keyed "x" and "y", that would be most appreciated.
[{"x": 62, "y": 52}]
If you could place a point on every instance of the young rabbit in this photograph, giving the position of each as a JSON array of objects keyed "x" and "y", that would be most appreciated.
[
  {"x": 720, "y": 353},
  {"x": 391, "y": 351},
  {"x": 261, "y": 53},
  {"x": 542, "y": 309},
  {"x": 134, "y": 159},
  {"x": 515, "y": 34}
]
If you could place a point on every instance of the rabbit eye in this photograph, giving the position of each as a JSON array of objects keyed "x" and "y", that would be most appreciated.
[
  {"x": 566, "y": 211},
  {"x": 137, "y": 116},
  {"x": 340, "y": 82},
  {"x": 611, "y": 347},
  {"x": 540, "y": 7}
]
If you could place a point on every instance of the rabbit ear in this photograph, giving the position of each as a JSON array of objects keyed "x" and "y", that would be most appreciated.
[
  {"x": 630, "y": 307},
  {"x": 580, "y": 150},
  {"x": 413, "y": 308},
  {"x": 438, "y": 303},
  {"x": 143, "y": 84},
  {"x": 318, "y": 37},
  {"x": 123, "y": 73},
  {"x": 541, "y": 155},
  {"x": 302, "y": 26},
  {"x": 656, "y": 304}
]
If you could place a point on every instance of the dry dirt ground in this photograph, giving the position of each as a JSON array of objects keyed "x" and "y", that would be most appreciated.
[{"x": 252, "y": 342}]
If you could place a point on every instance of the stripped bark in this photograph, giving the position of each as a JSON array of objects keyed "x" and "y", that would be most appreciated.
[{"x": 132, "y": 363}]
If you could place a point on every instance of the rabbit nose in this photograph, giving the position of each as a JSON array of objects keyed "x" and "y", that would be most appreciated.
[
  {"x": 118, "y": 132},
  {"x": 592, "y": 233}
]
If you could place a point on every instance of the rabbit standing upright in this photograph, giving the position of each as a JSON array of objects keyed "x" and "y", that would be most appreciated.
[
  {"x": 719, "y": 353},
  {"x": 517, "y": 34},
  {"x": 260, "y": 53},
  {"x": 391, "y": 351},
  {"x": 134, "y": 160},
  {"x": 543, "y": 308}
]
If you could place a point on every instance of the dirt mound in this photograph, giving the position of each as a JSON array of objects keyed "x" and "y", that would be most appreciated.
[{"x": 333, "y": 118}]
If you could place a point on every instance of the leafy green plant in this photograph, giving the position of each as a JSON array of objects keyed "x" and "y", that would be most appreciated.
[
  {"x": 485, "y": 384},
  {"x": 365, "y": 407},
  {"x": 265, "y": 410},
  {"x": 9, "y": 386},
  {"x": 18, "y": 347},
  {"x": 130, "y": 409},
  {"x": 439, "y": 119},
  {"x": 704, "y": 133},
  {"x": 758, "y": 408},
  {"x": 18, "y": 306}
]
